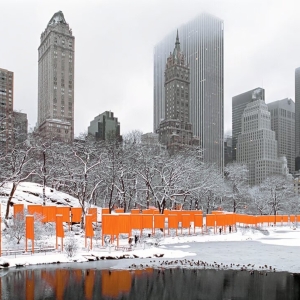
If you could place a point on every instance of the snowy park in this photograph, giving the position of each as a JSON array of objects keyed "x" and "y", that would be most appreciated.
[{"x": 267, "y": 249}]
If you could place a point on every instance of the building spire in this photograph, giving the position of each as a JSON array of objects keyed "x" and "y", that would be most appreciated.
[{"x": 177, "y": 43}]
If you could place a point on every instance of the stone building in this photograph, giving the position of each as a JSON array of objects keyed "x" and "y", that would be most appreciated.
[
  {"x": 239, "y": 103},
  {"x": 56, "y": 80},
  {"x": 283, "y": 123},
  {"x": 6, "y": 110},
  {"x": 257, "y": 146},
  {"x": 176, "y": 130}
]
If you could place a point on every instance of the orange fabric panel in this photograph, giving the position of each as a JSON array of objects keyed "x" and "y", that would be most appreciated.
[
  {"x": 147, "y": 221},
  {"x": 65, "y": 212},
  {"x": 135, "y": 211},
  {"x": 93, "y": 211},
  {"x": 136, "y": 221},
  {"x": 76, "y": 213},
  {"x": 49, "y": 213},
  {"x": 110, "y": 224},
  {"x": 105, "y": 210},
  {"x": 18, "y": 209},
  {"x": 285, "y": 219},
  {"x": 186, "y": 220},
  {"x": 59, "y": 226},
  {"x": 119, "y": 210},
  {"x": 156, "y": 212},
  {"x": 166, "y": 212},
  {"x": 210, "y": 220},
  {"x": 159, "y": 221},
  {"x": 124, "y": 223},
  {"x": 172, "y": 221},
  {"x": 179, "y": 214},
  {"x": 35, "y": 209},
  {"x": 89, "y": 231},
  {"x": 147, "y": 211},
  {"x": 222, "y": 219},
  {"x": 198, "y": 220},
  {"x": 30, "y": 227},
  {"x": 89, "y": 284}
]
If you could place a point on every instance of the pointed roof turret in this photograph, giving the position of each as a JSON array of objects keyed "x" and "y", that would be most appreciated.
[
  {"x": 177, "y": 54},
  {"x": 57, "y": 18}
]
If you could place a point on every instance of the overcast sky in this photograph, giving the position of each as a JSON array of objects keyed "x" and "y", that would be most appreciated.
[{"x": 114, "y": 42}]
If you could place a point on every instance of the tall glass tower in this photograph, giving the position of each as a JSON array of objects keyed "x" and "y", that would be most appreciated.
[
  {"x": 202, "y": 42},
  {"x": 297, "y": 119}
]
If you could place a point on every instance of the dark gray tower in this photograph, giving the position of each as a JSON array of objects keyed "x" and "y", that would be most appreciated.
[
  {"x": 176, "y": 130},
  {"x": 297, "y": 119},
  {"x": 202, "y": 43}
]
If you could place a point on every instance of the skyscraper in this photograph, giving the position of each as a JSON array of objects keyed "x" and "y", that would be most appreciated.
[
  {"x": 283, "y": 123},
  {"x": 56, "y": 80},
  {"x": 6, "y": 110},
  {"x": 239, "y": 103},
  {"x": 176, "y": 130},
  {"x": 202, "y": 42},
  {"x": 257, "y": 146},
  {"x": 105, "y": 126},
  {"x": 297, "y": 119}
]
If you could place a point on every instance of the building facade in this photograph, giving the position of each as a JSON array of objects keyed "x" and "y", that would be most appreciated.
[
  {"x": 227, "y": 150},
  {"x": 149, "y": 138},
  {"x": 56, "y": 80},
  {"x": 202, "y": 43},
  {"x": 239, "y": 104},
  {"x": 20, "y": 127},
  {"x": 105, "y": 126},
  {"x": 297, "y": 119},
  {"x": 257, "y": 146},
  {"x": 6, "y": 110},
  {"x": 283, "y": 123},
  {"x": 176, "y": 130}
]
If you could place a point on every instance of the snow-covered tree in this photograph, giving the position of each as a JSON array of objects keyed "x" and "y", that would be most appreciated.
[{"x": 236, "y": 176}]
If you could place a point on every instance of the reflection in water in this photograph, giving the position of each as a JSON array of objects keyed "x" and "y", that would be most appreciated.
[{"x": 172, "y": 284}]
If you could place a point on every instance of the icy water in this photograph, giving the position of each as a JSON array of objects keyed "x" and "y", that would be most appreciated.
[{"x": 66, "y": 282}]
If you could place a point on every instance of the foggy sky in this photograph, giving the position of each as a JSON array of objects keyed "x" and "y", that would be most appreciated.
[{"x": 114, "y": 44}]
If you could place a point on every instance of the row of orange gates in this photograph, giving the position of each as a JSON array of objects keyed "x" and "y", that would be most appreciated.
[{"x": 124, "y": 223}]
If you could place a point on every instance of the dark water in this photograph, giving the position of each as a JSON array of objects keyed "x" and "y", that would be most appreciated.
[{"x": 186, "y": 284}]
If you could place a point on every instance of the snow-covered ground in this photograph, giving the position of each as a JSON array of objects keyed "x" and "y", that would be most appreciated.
[{"x": 277, "y": 247}]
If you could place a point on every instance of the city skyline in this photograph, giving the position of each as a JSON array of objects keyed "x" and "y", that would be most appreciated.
[{"x": 99, "y": 59}]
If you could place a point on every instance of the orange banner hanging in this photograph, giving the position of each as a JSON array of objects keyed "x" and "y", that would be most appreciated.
[
  {"x": 35, "y": 209},
  {"x": 18, "y": 209},
  {"x": 76, "y": 213},
  {"x": 65, "y": 212},
  {"x": 59, "y": 226},
  {"x": 89, "y": 232}
]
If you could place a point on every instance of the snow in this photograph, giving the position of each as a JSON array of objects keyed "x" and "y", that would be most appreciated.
[{"x": 275, "y": 246}]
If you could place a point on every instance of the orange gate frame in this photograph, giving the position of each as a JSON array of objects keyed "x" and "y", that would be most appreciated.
[{"x": 29, "y": 231}]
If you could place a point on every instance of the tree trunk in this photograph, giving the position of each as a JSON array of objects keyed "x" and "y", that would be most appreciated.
[{"x": 13, "y": 189}]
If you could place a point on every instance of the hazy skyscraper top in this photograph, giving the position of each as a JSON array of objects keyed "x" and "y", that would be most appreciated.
[
  {"x": 56, "y": 80},
  {"x": 202, "y": 42}
]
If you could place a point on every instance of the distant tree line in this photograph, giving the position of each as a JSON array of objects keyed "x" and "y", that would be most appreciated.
[{"x": 130, "y": 174}]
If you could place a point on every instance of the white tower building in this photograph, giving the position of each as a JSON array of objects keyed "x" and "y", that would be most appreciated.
[{"x": 257, "y": 146}]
